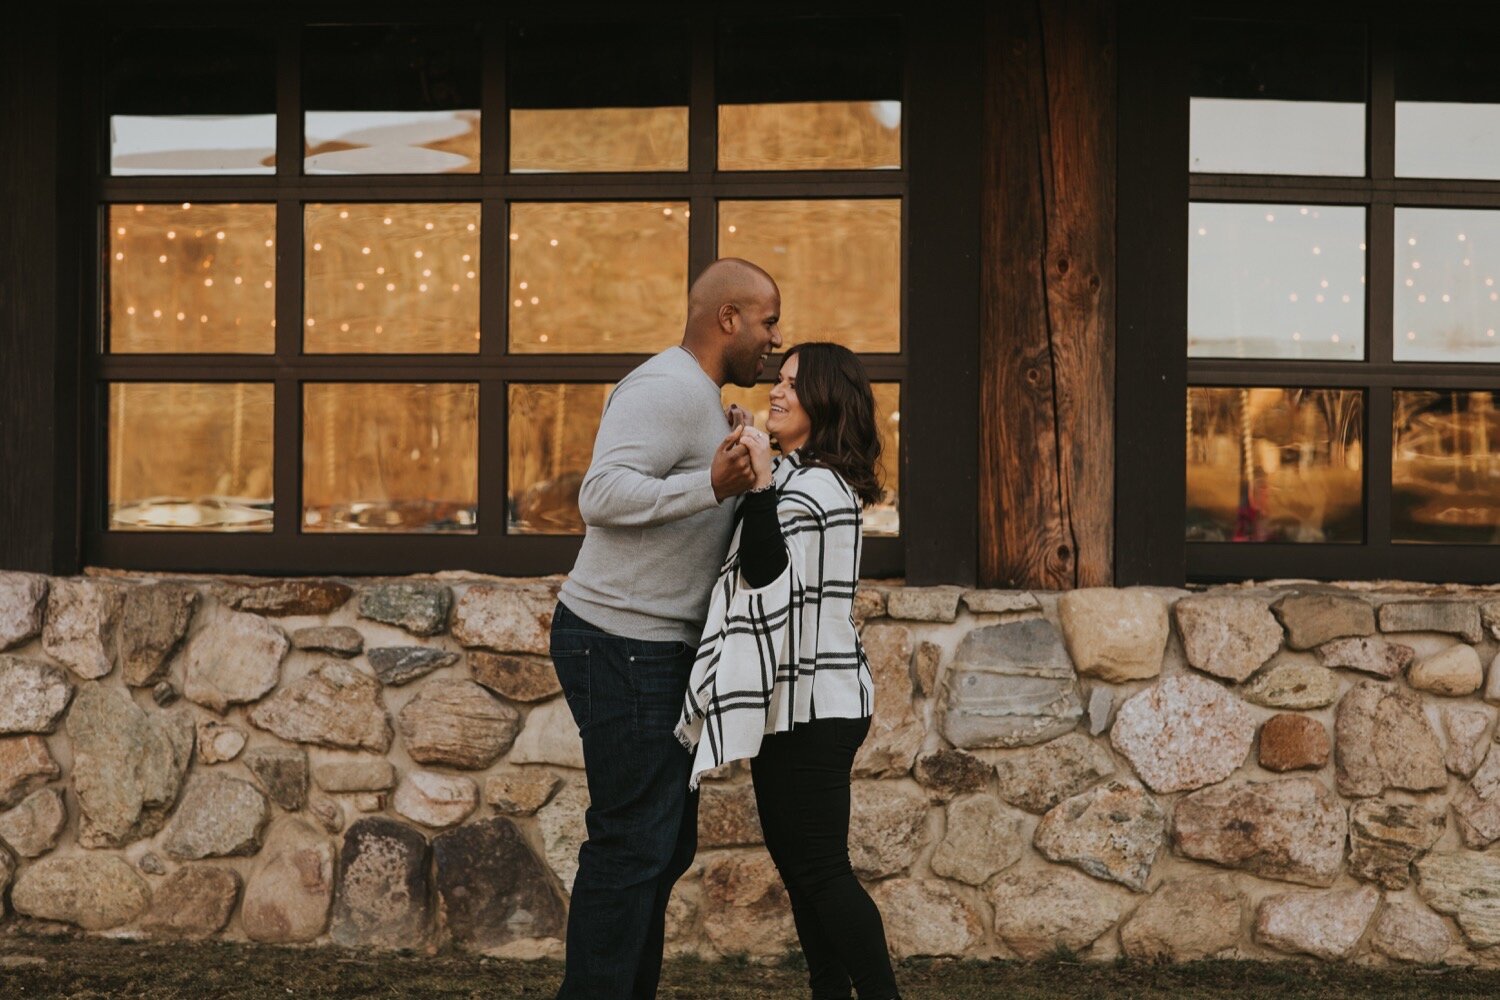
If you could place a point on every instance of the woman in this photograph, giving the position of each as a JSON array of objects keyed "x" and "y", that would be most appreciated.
[{"x": 781, "y": 676}]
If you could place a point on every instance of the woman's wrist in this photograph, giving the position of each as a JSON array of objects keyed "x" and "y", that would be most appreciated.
[{"x": 762, "y": 485}]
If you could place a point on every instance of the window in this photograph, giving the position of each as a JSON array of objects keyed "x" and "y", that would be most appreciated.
[{"x": 366, "y": 286}]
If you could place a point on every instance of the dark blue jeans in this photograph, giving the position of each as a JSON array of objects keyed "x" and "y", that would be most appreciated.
[{"x": 626, "y": 696}]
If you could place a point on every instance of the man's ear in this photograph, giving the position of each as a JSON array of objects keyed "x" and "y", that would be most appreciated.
[{"x": 729, "y": 318}]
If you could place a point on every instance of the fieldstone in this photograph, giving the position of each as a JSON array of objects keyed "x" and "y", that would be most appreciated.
[
  {"x": 746, "y": 910},
  {"x": 23, "y": 601},
  {"x": 397, "y": 665},
  {"x": 420, "y": 608},
  {"x": 1326, "y": 925},
  {"x": 153, "y": 620},
  {"x": 370, "y": 802},
  {"x": 218, "y": 742},
  {"x": 895, "y": 731},
  {"x": 151, "y": 864},
  {"x": 435, "y": 800},
  {"x": 1458, "y": 618},
  {"x": 511, "y": 618},
  {"x": 491, "y": 889},
  {"x": 32, "y": 828},
  {"x": 1411, "y": 933},
  {"x": 924, "y": 916},
  {"x": 334, "y": 706},
  {"x": 868, "y": 603},
  {"x": 1313, "y": 619},
  {"x": 282, "y": 598},
  {"x": 94, "y": 891},
  {"x": 1386, "y": 837},
  {"x": 25, "y": 764},
  {"x": 7, "y": 872},
  {"x": 521, "y": 793},
  {"x": 1038, "y": 778},
  {"x": 1114, "y": 635},
  {"x": 1101, "y": 709},
  {"x": 952, "y": 772},
  {"x": 288, "y": 895},
  {"x": 164, "y": 694},
  {"x": 327, "y": 812},
  {"x": 373, "y": 774},
  {"x": 1000, "y": 602},
  {"x": 1468, "y": 738},
  {"x": 925, "y": 662},
  {"x": 383, "y": 893},
  {"x": 519, "y": 678},
  {"x": 1477, "y": 807},
  {"x": 1382, "y": 740},
  {"x": 1227, "y": 635},
  {"x": 128, "y": 765},
  {"x": 1184, "y": 921},
  {"x": 1453, "y": 672},
  {"x": 1292, "y": 829},
  {"x": 282, "y": 773},
  {"x": 232, "y": 658},
  {"x": 82, "y": 625},
  {"x": 1010, "y": 685},
  {"x": 550, "y": 736},
  {"x": 194, "y": 902},
  {"x": 1465, "y": 886},
  {"x": 457, "y": 723},
  {"x": 924, "y": 604},
  {"x": 33, "y": 695},
  {"x": 887, "y": 828},
  {"x": 1112, "y": 831},
  {"x": 1492, "y": 682},
  {"x": 1368, "y": 655},
  {"x": 727, "y": 816},
  {"x": 1183, "y": 732},
  {"x": 219, "y": 817},
  {"x": 336, "y": 640},
  {"x": 982, "y": 838},
  {"x": 1289, "y": 742},
  {"x": 1293, "y": 682},
  {"x": 1038, "y": 912},
  {"x": 563, "y": 831}
]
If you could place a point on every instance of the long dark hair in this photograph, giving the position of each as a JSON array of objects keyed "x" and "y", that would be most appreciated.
[{"x": 835, "y": 391}]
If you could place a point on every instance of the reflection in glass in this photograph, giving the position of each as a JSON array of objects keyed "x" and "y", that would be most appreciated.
[
  {"x": 1276, "y": 281},
  {"x": 388, "y": 457},
  {"x": 810, "y": 135},
  {"x": 1447, "y": 101},
  {"x": 192, "y": 278},
  {"x": 584, "y": 140},
  {"x": 190, "y": 456},
  {"x": 1274, "y": 465},
  {"x": 1445, "y": 467},
  {"x": 837, "y": 262},
  {"x": 551, "y": 440},
  {"x": 882, "y": 519},
  {"x": 1274, "y": 98},
  {"x": 191, "y": 144},
  {"x": 1447, "y": 304},
  {"x": 392, "y": 142},
  {"x": 398, "y": 278},
  {"x": 597, "y": 277}
]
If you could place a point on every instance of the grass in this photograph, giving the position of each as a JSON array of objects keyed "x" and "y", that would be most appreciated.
[{"x": 96, "y": 969}]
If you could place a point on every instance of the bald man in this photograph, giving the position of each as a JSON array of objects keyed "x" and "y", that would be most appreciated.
[{"x": 626, "y": 628}]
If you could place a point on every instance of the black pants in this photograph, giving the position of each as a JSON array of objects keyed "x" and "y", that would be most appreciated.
[{"x": 802, "y": 791}]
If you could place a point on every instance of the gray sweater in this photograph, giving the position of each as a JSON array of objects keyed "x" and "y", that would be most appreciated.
[{"x": 656, "y": 536}]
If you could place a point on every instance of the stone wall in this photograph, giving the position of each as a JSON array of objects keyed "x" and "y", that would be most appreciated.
[{"x": 1243, "y": 771}]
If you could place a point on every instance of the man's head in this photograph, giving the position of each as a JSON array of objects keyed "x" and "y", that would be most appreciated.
[{"x": 733, "y": 309}]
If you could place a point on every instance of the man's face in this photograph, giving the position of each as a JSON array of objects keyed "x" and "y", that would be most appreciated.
[{"x": 757, "y": 336}]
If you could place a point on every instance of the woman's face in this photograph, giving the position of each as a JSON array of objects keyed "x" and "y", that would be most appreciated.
[{"x": 788, "y": 421}]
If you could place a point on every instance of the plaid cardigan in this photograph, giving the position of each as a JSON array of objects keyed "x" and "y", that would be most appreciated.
[{"x": 788, "y": 652}]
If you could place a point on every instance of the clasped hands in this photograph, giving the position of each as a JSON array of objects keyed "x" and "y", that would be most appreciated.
[{"x": 743, "y": 459}]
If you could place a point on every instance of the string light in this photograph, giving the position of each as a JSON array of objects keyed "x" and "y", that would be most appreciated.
[
  {"x": 428, "y": 226},
  {"x": 554, "y": 242},
  {"x": 523, "y": 286}
]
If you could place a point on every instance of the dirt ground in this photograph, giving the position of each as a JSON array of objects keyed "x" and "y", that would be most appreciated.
[{"x": 94, "y": 969}]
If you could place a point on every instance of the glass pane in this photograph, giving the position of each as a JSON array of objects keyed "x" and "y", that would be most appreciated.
[
  {"x": 829, "y": 98},
  {"x": 215, "y": 475},
  {"x": 1445, "y": 467},
  {"x": 388, "y": 99},
  {"x": 398, "y": 278},
  {"x": 838, "y": 263},
  {"x": 884, "y": 518},
  {"x": 1275, "y": 465},
  {"x": 192, "y": 278},
  {"x": 180, "y": 101},
  {"x": 1277, "y": 98},
  {"x": 390, "y": 457},
  {"x": 1447, "y": 101},
  {"x": 597, "y": 277},
  {"x": 1276, "y": 281},
  {"x": 1447, "y": 303},
  {"x": 599, "y": 95},
  {"x": 551, "y": 442}
]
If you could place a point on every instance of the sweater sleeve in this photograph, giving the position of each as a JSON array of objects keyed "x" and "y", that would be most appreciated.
[{"x": 762, "y": 548}]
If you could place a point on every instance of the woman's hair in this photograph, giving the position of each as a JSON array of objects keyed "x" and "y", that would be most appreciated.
[{"x": 835, "y": 391}]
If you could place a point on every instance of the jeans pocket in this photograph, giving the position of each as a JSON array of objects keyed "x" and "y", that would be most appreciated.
[
  {"x": 658, "y": 681},
  {"x": 572, "y": 666}
]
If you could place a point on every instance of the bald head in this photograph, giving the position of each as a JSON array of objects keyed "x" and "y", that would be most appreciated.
[
  {"x": 729, "y": 281},
  {"x": 733, "y": 309}
]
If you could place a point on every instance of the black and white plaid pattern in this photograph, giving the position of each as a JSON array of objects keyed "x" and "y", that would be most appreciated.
[{"x": 788, "y": 652}]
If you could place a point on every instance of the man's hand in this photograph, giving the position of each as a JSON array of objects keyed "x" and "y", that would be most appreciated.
[
  {"x": 732, "y": 473},
  {"x": 738, "y": 416}
]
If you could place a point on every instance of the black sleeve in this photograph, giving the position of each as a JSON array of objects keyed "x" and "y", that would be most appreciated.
[{"x": 762, "y": 550}]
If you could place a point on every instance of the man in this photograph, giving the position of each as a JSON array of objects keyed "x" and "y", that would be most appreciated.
[{"x": 626, "y": 629}]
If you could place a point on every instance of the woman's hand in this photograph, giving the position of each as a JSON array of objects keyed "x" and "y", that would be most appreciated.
[{"x": 758, "y": 443}]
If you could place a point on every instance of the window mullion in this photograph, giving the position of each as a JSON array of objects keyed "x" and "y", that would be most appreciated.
[{"x": 1382, "y": 100}]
